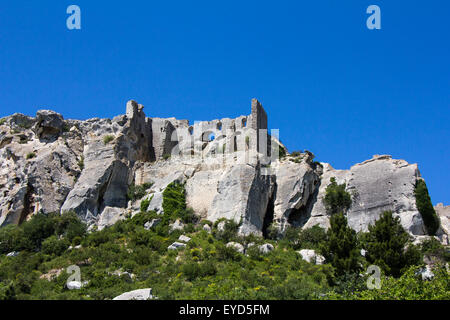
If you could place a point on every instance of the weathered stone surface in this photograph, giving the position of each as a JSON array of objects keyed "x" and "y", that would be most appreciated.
[
  {"x": 242, "y": 195},
  {"x": 311, "y": 256},
  {"x": 48, "y": 164},
  {"x": 443, "y": 213},
  {"x": 141, "y": 294},
  {"x": 376, "y": 185},
  {"x": 296, "y": 184},
  {"x": 110, "y": 216},
  {"x": 49, "y": 124}
]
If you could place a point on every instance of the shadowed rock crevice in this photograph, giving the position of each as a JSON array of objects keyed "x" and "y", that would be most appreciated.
[{"x": 268, "y": 217}]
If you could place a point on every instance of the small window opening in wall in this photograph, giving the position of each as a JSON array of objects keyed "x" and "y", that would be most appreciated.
[
  {"x": 211, "y": 137},
  {"x": 219, "y": 126},
  {"x": 244, "y": 122},
  {"x": 191, "y": 131}
]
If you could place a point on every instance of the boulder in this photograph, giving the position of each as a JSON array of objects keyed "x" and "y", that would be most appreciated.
[
  {"x": 311, "y": 256},
  {"x": 176, "y": 245},
  {"x": 237, "y": 246},
  {"x": 426, "y": 273},
  {"x": 177, "y": 225},
  {"x": 49, "y": 124},
  {"x": 151, "y": 224},
  {"x": 141, "y": 294},
  {"x": 183, "y": 238},
  {"x": 207, "y": 228},
  {"x": 74, "y": 285},
  {"x": 13, "y": 254},
  {"x": 265, "y": 248}
]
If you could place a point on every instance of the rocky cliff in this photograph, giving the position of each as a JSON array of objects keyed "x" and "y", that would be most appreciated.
[{"x": 230, "y": 167}]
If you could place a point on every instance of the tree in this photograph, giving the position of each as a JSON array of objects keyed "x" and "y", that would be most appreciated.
[
  {"x": 336, "y": 198},
  {"x": 425, "y": 207},
  {"x": 341, "y": 248},
  {"x": 385, "y": 244}
]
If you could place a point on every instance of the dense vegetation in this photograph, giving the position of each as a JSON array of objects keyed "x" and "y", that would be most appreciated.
[
  {"x": 126, "y": 257},
  {"x": 425, "y": 207},
  {"x": 336, "y": 199}
]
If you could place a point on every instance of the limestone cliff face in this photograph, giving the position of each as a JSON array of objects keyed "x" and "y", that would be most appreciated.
[{"x": 229, "y": 167}]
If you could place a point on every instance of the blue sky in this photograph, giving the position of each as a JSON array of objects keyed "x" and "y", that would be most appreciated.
[{"x": 327, "y": 82}]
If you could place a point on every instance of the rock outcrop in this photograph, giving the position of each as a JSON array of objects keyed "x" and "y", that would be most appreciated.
[
  {"x": 141, "y": 294},
  {"x": 230, "y": 169},
  {"x": 376, "y": 185}
]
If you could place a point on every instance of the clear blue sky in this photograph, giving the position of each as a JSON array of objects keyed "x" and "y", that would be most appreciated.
[{"x": 327, "y": 82}]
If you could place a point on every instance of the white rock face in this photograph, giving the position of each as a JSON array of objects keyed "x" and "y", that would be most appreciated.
[
  {"x": 311, "y": 256},
  {"x": 443, "y": 213},
  {"x": 295, "y": 187},
  {"x": 376, "y": 185},
  {"x": 142, "y": 294},
  {"x": 49, "y": 164},
  {"x": 110, "y": 216}
]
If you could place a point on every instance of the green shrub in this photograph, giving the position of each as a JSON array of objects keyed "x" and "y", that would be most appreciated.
[
  {"x": 272, "y": 232},
  {"x": 167, "y": 156},
  {"x": 54, "y": 246},
  {"x": 11, "y": 239},
  {"x": 174, "y": 199},
  {"x": 107, "y": 139},
  {"x": 23, "y": 139},
  {"x": 37, "y": 229},
  {"x": 70, "y": 226},
  {"x": 425, "y": 207},
  {"x": 144, "y": 205},
  {"x": 188, "y": 216},
  {"x": 31, "y": 155},
  {"x": 432, "y": 247},
  {"x": 81, "y": 163},
  {"x": 229, "y": 232},
  {"x": 341, "y": 248},
  {"x": 385, "y": 244},
  {"x": 336, "y": 198},
  {"x": 312, "y": 238},
  {"x": 409, "y": 286},
  {"x": 137, "y": 192},
  {"x": 2, "y": 121}
]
